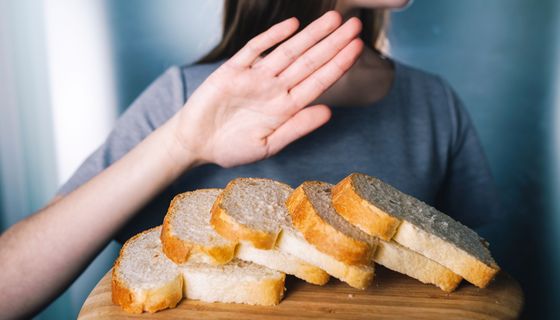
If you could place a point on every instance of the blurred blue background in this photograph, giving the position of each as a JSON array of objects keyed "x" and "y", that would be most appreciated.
[{"x": 67, "y": 69}]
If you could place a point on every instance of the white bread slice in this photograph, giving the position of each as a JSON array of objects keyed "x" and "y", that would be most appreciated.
[
  {"x": 361, "y": 198},
  {"x": 314, "y": 216},
  {"x": 187, "y": 230},
  {"x": 235, "y": 282},
  {"x": 278, "y": 260},
  {"x": 143, "y": 278},
  {"x": 398, "y": 258},
  {"x": 356, "y": 276},
  {"x": 252, "y": 212}
]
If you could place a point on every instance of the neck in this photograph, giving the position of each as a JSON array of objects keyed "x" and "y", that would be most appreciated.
[{"x": 367, "y": 81}]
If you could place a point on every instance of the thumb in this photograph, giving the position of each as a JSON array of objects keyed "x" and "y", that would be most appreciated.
[{"x": 299, "y": 125}]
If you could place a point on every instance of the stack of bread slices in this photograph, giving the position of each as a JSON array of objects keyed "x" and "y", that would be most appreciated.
[{"x": 235, "y": 245}]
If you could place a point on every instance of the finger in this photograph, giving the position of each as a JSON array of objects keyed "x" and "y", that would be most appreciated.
[
  {"x": 321, "y": 53},
  {"x": 299, "y": 125},
  {"x": 318, "y": 82},
  {"x": 257, "y": 45},
  {"x": 289, "y": 51}
]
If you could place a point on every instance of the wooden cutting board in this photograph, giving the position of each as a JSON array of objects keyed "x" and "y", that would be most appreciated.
[{"x": 392, "y": 296}]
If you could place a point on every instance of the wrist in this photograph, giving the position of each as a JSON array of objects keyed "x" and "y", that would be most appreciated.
[{"x": 183, "y": 154}]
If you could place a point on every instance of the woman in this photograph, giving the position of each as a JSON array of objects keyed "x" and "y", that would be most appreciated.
[{"x": 258, "y": 108}]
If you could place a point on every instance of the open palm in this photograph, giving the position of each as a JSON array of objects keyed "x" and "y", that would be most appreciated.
[{"x": 252, "y": 107}]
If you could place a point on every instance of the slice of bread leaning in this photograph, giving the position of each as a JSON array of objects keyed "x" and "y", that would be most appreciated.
[
  {"x": 398, "y": 258},
  {"x": 143, "y": 278},
  {"x": 342, "y": 250},
  {"x": 283, "y": 261},
  {"x": 356, "y": 276},
  {"x": 381, "y": 210},
  {"x": 314, "y": 216},
  {"x": 235, "y": 282},
  {"x": 252, "y": 212},
  {"x": 187, "y": 230}
]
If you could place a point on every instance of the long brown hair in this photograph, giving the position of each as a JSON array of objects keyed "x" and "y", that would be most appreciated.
[{"x": 244, "y": 19}]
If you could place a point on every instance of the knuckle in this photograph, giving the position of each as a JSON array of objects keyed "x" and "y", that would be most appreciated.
[
  {"x": 340, "y": 69},
  {"x": 308, "y": 63},
  {"x": 319, "y": 83},
  {"x": 288, "y": 53}
]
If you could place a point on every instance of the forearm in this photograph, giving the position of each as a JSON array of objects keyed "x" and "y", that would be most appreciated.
[{"x": 42, "y": 255}]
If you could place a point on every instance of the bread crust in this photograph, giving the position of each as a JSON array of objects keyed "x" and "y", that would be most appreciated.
[
  {"x": 151, "y": 300},
  {"x": 273, "y": 292},
  {"x": 324, "y": 236},
  {"x": 360, "y": 212},
  {"x": 179, "y": 250},
  {"x": 230, "y": 229},
  {"x": 312, "y": 274}
]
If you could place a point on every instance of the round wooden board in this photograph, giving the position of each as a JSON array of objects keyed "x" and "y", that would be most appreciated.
[{"x": 392, "y": 296}]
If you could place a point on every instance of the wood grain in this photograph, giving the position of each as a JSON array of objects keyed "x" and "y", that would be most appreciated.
[{"x": 392, "y": 296}]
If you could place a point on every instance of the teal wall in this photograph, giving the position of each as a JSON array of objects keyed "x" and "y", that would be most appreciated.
[
  {"x": 150, "y": 36},
  {"x": 502, "y": 57}
]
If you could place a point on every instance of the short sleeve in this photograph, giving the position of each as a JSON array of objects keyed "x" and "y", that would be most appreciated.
[
  {"x": 468, "y": 192},
  {"x": 159, "y": 102}
]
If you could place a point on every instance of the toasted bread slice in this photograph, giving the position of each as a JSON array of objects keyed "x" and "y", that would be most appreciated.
[
  {"x": 398, "y": 258},
  {"x": 235, "y": 282},
  {"x": 187, "y": 230},
  {"x": 356, "y": 276},
  {"x": 313, "y": 215},
  {"x": 418, "y": 226},
  {"x": 143, "y": 278}
]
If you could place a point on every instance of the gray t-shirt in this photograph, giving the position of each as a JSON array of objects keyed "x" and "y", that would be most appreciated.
[{"x": 419, "y": 138}]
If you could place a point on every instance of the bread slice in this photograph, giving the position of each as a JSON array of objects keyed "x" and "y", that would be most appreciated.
[
  {"x": 237, "y": 281},
  {"x": 187, "y": 230},
  {"x": 314, "y": 216},
  {"x": 398, "y": 258},
  {"x": 285, "y": 262},
  {"x": 356, "y": 276},
  {"x": 143, "y": 278},
  {"x": 252, "y": 212},
  {"x": 420, "y": 227},
  {"x": 378, "y": 217}
]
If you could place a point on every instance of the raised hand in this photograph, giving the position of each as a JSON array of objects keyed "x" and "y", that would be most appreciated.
[{"x": 252, "y": 106}]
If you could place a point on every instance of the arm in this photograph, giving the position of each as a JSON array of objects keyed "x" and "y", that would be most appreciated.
[
  {"x": 43, "y": 254},
  {"x": 247, "y": 110}
]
